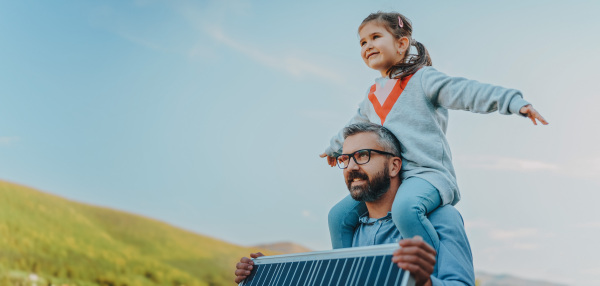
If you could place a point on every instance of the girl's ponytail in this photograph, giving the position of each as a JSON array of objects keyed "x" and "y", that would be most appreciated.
[
  {"x": 423, "y": 58},
  {"x": 412, "y": 62}
]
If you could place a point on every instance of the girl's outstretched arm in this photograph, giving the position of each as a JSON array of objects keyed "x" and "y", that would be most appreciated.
[
  {"x": 462, "y": 94},
  {"x": 530, "y": 112}
]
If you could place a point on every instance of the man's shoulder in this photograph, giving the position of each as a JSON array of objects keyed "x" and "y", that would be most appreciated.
[{"x": 446, "y": 215}]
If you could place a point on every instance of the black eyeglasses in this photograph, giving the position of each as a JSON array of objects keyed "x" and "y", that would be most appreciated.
[{"x": 361, "y": 157}]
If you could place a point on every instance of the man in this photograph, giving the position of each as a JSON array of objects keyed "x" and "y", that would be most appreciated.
[{"x": 372, "y": 173}]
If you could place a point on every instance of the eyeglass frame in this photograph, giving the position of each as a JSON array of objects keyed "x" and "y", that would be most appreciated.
[{"x": 356, "y": 161}]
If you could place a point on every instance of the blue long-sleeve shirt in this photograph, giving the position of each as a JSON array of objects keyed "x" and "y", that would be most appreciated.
[{"x": 454, "y": 261}]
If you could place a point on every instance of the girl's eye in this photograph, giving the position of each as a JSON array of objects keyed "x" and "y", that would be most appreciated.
[
  {"x": 362, "y": 43},
  {"x": 376, "y": 36}
]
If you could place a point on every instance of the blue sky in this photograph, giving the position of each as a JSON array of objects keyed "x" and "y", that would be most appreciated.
[{"x": 210, "y": 115}]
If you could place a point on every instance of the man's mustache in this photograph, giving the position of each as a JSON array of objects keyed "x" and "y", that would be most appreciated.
[{"x": 356, "y": 175}]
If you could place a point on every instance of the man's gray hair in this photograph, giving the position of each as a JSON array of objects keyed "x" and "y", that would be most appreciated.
[{"x": 387, "y": 140}]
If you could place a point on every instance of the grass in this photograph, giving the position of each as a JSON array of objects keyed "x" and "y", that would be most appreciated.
[{"x": 65, "y": 242}]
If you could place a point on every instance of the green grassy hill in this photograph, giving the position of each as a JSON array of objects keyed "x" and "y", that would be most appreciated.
[{"x": 65, "y": 242}]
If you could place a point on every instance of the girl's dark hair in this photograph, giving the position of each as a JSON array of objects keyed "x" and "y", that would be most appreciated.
[{"x": 411, "y": 63}]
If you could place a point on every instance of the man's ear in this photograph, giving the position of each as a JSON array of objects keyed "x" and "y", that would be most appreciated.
[{"x": 395, "y": 166}]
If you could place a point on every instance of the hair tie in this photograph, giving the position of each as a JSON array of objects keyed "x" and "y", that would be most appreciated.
[{"x": 400, "y": 23}]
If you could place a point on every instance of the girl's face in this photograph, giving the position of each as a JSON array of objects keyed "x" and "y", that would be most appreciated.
[{"x": 379, "y": 48}]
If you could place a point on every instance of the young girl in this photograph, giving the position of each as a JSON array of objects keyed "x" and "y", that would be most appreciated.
[{"x": 412, "y": 99}]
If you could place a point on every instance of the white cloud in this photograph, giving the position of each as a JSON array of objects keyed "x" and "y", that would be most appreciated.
[
  {"x": 295, "y": 66},
  {"x": 506, "y": 163},
  {"x": 8, "y": 140},
  {"x": 504, "y": 234},
  {"x": 299, "y": 67},
  {"x": 477, "y": 224},
  {"x": 591, "y": 271},
  {"x": 306, "y": 213},
  {"x": 588, "y": 225},
  {"x": 292, "y": 65},
  {"x": 577, "y": 167},
  {"x": 526, "y": 246},
  {"x": 514, "y": 237}
]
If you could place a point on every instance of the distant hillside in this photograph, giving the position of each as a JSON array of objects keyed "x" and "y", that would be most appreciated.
[
  {"x": 486, "y": 279},
  {"x": 284, "y": 247},
  {"x": 66, "y": 242}
]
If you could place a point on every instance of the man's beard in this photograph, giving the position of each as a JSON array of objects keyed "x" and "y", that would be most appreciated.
[{"x": 373, "y": 189}]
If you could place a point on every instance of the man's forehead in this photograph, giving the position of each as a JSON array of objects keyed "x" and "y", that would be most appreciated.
[{"x": 364, "y": 140}]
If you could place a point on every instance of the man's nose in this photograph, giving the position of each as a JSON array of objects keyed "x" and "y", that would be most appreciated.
[{"x": 352, "y": 164}]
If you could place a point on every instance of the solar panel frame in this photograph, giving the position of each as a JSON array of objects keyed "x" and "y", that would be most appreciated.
[{"x": 347, "y": 266}]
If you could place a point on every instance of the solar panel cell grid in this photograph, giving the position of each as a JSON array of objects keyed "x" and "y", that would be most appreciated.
[
  {"x": 366, "y": 270},
  {"x": 338, "y": 268},
  {"x": 319, "y": 277},
  {"x": 343, "y": 276},
  {"x": 302, "y": 275},
  {"x": 329, "y": 273}
]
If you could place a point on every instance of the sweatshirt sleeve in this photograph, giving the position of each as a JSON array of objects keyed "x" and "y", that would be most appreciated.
[
  {"x": 336, "y": 142},
  {"x": 463, "y": 94}
]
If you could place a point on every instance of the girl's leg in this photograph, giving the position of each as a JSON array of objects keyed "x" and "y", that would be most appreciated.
[
  {"x": 343, "y": 219},
  {"x": 415, "y": 199}
]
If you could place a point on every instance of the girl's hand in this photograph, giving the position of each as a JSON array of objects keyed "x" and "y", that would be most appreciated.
[
  {"x": 530, "y": 112},
  {"x": 330, "y": 160}
]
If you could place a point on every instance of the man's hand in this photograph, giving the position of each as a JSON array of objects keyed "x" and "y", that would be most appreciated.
[
  {"x": 530, "y": 112},
  {"x": 330, "y": 160},
  {"x": 417, "y": 257},
  {"x": 244, "y": 267}
]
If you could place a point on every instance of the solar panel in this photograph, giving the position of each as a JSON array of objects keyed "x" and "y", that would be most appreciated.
[{"x": 369, "y": 265}]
